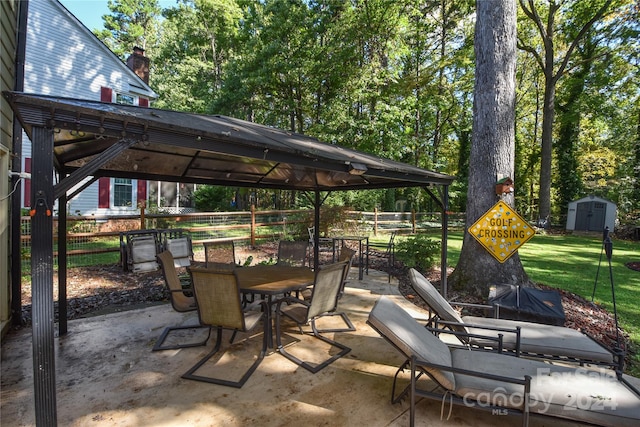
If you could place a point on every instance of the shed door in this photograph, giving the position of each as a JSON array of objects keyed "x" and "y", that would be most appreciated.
[{"x": 590, "y": 216}]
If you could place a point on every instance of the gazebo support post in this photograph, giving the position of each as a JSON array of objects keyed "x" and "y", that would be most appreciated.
[
  {"x": 445, "y": 239},
  {"x": 62, "y": 265},
  {"x": 44, "y": 378},
  {"x": 443, "y": 202}
]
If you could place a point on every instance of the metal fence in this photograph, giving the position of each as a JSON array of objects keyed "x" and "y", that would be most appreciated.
[{"x": 93, "y": 240}]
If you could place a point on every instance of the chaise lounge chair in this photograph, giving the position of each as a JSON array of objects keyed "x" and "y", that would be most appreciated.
[
  {"x": 504, "y": 384},
  {"x": 523, "y": 338}
]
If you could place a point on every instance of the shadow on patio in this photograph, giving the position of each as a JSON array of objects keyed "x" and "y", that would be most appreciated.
[{"x": 107, "y": 375}]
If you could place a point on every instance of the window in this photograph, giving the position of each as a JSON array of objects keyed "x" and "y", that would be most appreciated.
[
  {"x": 122, "y": 192},
  {"x": 124, "y": 99}
]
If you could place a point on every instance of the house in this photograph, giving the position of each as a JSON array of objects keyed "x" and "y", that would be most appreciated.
[{"x": 64, "y": 58}]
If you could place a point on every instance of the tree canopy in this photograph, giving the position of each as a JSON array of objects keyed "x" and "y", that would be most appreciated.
[{"x": 395, "y": 78}]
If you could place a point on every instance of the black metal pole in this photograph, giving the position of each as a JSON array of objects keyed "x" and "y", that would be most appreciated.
[
  {"x": 608, "y": 248},
  {"x": 62, "y": 265},
  {"x": 44, "y": 378},
  {"x": 445, "y": 239},
  {"x": 605, "y": 236},
  {"x": 316, "y": 231}
]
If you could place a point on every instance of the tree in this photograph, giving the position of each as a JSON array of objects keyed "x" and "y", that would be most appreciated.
[
  {"x": 569, "y": 109},
  {"x": 584, "y": 16},
  {"x": 131, "y": 23},
  {"x": 493, "y": 143},
  {"x": 197, "y": 41}
]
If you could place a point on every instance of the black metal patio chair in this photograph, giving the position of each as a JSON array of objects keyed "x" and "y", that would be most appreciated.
[
  {"x": 323, "y": 302},
  {"x": 182, "y": 301},
  {"x": 219, "y": 306}
]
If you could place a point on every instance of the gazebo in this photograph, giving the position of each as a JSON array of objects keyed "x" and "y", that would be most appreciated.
[{"x": 78, "y": 139}]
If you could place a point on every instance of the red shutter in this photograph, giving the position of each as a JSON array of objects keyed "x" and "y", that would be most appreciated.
[
  {"x": 143, "y": 102},
  {"x": 106, "y": 94},
  {"x": 103, "y": 192},
  {"x": 26, "y": 184},
  {"x": 142, "y": 191}
]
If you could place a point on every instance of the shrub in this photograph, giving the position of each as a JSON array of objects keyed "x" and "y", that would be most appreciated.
[{"x": 418, "y": 251}]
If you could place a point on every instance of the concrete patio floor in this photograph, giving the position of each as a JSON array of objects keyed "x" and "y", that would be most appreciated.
[{"x": 107, "y": 375}]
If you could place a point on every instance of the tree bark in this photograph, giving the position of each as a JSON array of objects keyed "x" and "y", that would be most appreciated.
[{"x": 493, "y": 144}]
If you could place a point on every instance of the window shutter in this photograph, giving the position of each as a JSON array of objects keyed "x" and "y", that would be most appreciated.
[
  {"x": 106, "y": 94},
  {"x": 142, "y": 191},
  {"x": 103, "y": 192},
  {"x": 143, "y": 102}
]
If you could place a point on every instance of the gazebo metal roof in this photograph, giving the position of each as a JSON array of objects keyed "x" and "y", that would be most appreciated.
[{"x": 100, "y": 139}]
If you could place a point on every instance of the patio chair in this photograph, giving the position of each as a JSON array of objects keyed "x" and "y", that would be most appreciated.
[
  {"x": 293, "y": 253},
  {"x": 180, "y": 301},
  {"x": 346, "y": 255},
  {"x": 218, "y": 253},
  {"x": 500, "y": 383},
  {"x": 181, "y": 248},
  {"x": 523, "y": 338},
  {"x": 142, "y": 250},
  {"x": 138, "y": 249},
  {"x": 219, "y": 306},
  {"x": 325, "y": 244},
  {"x": 323, "y": 302}
]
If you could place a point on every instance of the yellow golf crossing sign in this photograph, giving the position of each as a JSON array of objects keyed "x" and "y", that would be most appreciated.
[{"x": 501, "y": 231}]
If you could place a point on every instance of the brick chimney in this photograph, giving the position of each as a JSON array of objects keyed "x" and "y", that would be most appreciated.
[{"x": 139, "y": 63}]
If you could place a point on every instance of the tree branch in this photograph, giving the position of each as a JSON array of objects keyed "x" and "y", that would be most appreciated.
[
  {"x": 581, "y": 34},
  {"x": 520, "y": 44}
]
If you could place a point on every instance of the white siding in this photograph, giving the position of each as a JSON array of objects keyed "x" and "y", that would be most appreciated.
[
  {"x": 64, "y": 58},
  {"x": 86, "y": 203},
  {"x": 8, "y": 21}
]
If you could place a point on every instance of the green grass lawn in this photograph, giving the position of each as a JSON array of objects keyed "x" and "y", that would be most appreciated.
[{"x": 572, "y": 262}]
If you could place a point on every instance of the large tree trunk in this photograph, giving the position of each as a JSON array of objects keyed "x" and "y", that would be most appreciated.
[{"x": 493, "y": 143}]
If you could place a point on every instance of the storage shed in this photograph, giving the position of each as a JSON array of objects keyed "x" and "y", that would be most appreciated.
[{"x": 591, "y": 214}]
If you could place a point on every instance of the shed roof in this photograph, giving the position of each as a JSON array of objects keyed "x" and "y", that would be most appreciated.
[
  {"x": 100, "y": 139},
  {"x": 591, "y": 198}
]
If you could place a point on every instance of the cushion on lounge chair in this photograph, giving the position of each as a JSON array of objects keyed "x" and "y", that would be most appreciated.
[
  {"x": 411, "y": 338},
  {"x": 535, "y": 338},
  {"x": 143, "y": 253},
  {"x": 587, "y": 395},
  {"x": 433, "y": 298},
  {"x": 543, "y": 339}
]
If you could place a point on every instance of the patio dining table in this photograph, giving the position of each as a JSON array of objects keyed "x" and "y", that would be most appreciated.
[{"x": 270, "y": 281}]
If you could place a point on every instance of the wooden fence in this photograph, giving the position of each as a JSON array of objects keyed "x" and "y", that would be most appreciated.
[{"x": 96, "y": 240}]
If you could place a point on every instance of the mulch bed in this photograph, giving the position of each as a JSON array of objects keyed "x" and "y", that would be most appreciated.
[{"x": 634, "y": 265}]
